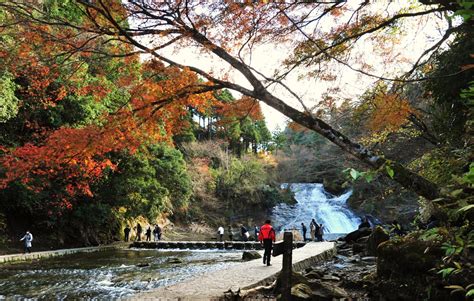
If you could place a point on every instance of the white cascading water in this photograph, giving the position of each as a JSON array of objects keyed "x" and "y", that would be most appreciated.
[{"x": 314, "y": 202}]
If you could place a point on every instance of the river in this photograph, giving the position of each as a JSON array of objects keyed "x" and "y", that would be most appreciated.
[
  {"x": 114, "y": 274},
  {"x": 109, "y": 274}
]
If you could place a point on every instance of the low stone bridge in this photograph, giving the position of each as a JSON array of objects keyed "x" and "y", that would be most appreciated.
[{"x": 227, "y": 245}]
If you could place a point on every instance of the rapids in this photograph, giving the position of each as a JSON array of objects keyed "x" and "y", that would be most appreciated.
[{"x": 314, "y": 202}]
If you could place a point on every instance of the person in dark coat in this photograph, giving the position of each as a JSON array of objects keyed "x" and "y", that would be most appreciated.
[
  {"x": 157, "y": 233},
  {"x": 244, "y": 233},
  {"x": 231, "y": 235},
  {"x": 256, "y": 230},
  {"x": 304, "y": 230},
  {"x": 126, "y": 231},
  {"x": 320, "y": 232},
  {"x": 148, "y": 234},
  {"x": 139, "y": 232},
  {"x": 266, "y": 236}
]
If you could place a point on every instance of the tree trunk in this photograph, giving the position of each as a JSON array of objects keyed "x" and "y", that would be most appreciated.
[{"x": 402, "y": 175}]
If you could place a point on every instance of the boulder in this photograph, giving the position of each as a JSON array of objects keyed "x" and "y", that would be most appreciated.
[
  {"x": 358, "y": 248},
  {"x": 331, "y": 278},
  {"x": 326, "y": 291},
  {"x": 398, "y": 258},
  {"x": 377, "y": 237},
  {"x": 251, "y": 255},
  {"x": 300, "y": 292},
  {"x": 355, "y": 235},
  {"x": 296, "y": 278},
  {"x": 313, "y": 275}
]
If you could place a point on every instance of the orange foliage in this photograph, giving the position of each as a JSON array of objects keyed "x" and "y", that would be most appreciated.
[
  {"x": 239, "y": 109},
  {"x": 390, "y": 112}
]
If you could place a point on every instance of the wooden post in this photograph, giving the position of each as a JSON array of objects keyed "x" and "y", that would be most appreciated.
[{"x": 286, "y": 270}]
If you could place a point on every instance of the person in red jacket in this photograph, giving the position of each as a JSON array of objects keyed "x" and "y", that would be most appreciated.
[{"x": 267, "y": 238}]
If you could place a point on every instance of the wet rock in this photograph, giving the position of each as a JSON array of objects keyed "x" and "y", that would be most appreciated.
[
  {"x": 326, "y": 290},
  {"x": 377, "y": 237},
  {"x": 407, "y": 256},
  {"x": 174, "y": 260},
  {"x": 331, "y": 278},
  {"x": 313, "y": 275},
  {"x": 335, "y": 187},
  {"x": 355, "y": 235},
  {"x": 363, "y": 240},
  {"x": 250, "y": 255},
  {"x": 358, "y": 248},
  {"x": 300, "y": 292},
  {"x": 142, "y": 265},
  {"x": 296, "y": 278},
  {"x": 369, "y": 259},
  {"x": 354, "y": 259}
]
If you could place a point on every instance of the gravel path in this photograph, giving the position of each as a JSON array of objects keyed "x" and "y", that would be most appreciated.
[{"x": 212, "y": 285}]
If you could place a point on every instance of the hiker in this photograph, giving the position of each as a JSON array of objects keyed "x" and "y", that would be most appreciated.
[
  {"x": 244, "y": 233},
  {"x": 304, "y": 229},
  {"x": 256, "y": 231},
  {"x": 220, "y": 231},
  {"x": 229, "y": 229},
  {"x": 139, "y": 232},
  {"x": 266, "y": 236},
  {"x": 320, "y": 232},
  {"x": 148, "y": 234},
  {"x": 28, "y": 238},
  {"x": 312, "y": 229},
  {"x": 157, "y": 233},
  {"x": 126, "y": 231}
]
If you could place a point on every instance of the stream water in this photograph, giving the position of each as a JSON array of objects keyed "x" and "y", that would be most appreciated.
[
  {"x": 314, "y": 202},
  {"x": 113, "y": 274},
  {"x": 106, "y": 275}
]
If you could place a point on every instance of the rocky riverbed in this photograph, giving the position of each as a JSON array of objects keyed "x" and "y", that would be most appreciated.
[{"x": 346, "y": 275}]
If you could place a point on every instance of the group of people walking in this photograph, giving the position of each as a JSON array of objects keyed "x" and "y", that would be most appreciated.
[
  {"x": 316, "y": 231},
  {"x": 244, "y": 233},
  {"x": 138, "y": 230}
]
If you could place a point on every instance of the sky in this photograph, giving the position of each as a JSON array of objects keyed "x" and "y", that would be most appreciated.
[{"x": 412, "y": 39}]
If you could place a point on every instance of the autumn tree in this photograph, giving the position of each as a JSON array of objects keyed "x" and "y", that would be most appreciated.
[{"x": 323, "y": 33}]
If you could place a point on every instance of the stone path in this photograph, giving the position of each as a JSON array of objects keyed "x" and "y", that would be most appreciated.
[
  {"x": 212, "y": 285},
  {"x": 54, "y": 253}
]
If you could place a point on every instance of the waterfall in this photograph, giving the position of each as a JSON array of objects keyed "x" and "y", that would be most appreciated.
[{"x": 314, "y": 202}]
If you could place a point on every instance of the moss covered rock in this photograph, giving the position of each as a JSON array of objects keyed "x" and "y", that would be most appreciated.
[
  {"x": 250, "y": 255},
  {"x": 377, "y": 237},
  {"x": 397, "y": 258},
  {"x": 300, "y": 292}
]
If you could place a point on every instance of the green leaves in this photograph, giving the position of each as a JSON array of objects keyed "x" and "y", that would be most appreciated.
[
  {"x": 8, "y": 101},
  {"x": 390, "y": 171},
  {"x": 467, "y": 13},
  {"x": 354, "y": 174},
  {"x": 446, "y": 272}
]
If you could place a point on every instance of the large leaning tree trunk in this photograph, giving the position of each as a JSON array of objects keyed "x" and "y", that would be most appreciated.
[{"x": 152, "y": 26}]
